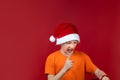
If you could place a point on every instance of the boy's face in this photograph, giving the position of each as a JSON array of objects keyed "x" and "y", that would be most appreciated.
[{"x": 68, "y": 47}]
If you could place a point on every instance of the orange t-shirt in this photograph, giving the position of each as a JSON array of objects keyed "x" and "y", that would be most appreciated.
[{"x": 82, "y": 63}]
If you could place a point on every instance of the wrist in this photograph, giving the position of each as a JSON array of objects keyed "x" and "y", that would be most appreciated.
[{"x": 103, "y": 77}]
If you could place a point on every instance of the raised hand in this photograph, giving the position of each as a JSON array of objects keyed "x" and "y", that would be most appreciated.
[{"x": 68, "y": 64}]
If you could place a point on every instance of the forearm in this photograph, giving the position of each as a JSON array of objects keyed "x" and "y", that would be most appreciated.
[
  {"x": 58, "y": 76},
  {"x": 101, "y": 75}
]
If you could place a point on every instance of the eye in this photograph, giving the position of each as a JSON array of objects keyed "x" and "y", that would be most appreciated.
[
  {"x": 68, "y": 42},
  {"x": 75, "y": 42}
]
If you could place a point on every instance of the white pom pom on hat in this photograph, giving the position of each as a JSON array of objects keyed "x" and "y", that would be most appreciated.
[{"x": 52, "y": 38}]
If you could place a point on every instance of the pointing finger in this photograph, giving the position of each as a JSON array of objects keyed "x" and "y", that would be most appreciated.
[{"x": 68, "y": 57}]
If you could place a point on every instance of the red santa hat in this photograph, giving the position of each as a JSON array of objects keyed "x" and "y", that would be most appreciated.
[{"x": 65, "y": 32}]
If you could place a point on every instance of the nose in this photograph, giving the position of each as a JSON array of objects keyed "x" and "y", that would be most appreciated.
[{"x": 72, "y": 46}]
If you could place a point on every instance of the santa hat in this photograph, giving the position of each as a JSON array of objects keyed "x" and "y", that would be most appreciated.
[{"x": 65, "y": 32}]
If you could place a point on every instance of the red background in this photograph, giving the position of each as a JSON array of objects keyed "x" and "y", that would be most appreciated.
[{"x": 25, "y": 26}]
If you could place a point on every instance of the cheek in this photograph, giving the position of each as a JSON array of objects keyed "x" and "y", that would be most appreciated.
[
  {"x": 75, "y": 46},
  {"x": 65, "y": 48}
]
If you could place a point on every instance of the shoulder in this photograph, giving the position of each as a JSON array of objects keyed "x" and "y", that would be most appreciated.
[
  {"x": 52, "y": 55},
  {"x": 81, "y": 53}
]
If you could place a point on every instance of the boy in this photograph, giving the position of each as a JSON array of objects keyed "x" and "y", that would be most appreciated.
[{"x": 68, "y": 63}]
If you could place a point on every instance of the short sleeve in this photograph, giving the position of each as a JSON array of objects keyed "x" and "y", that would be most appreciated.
[
  {"x": 89, "y": 65},
  {"x": 50, "y": 65}
]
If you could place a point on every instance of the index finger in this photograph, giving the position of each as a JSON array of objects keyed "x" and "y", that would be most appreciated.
[{"x": 68, "y": 57}]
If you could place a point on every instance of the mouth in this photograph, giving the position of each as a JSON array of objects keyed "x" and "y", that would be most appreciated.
[{"x": 70, "y": 51}]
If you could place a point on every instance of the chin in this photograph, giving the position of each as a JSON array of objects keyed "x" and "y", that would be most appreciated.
[{"x": 70, "y": 53}]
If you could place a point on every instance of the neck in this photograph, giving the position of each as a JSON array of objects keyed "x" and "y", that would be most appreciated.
[{"x": 62, "y": 52}]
